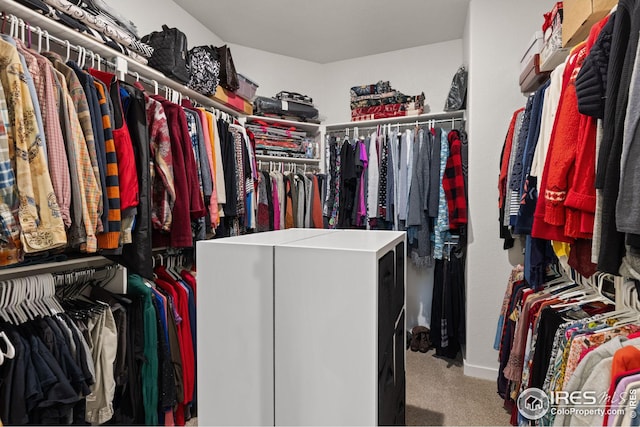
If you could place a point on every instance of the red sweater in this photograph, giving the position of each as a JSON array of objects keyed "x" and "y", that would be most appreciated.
[{"x": 549, "y": 218}]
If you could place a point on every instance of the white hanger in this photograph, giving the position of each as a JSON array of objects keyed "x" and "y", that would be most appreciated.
[
  {"x": 12, "y": 28},
  {"x": 47, "y": 39},
  {"x": 10, "y": 353},
  {"x": 99, "y": 62},
  {"x": 21, "y": 26},
  {"x": 155, "y": 87},
  {"x": 82, "y": 53},
  {"x": 3, "y": 301},
  {"x": 68, "y": 51},
  {"x": 137, "y": 76},
  {"x": 39, "y": 31}
]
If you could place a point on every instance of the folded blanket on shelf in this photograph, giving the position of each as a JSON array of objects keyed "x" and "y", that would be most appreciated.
[
  {"x": 99, "y": 7},
  {"x": 372, "y": 89},
  {"x": 393, "y": 98},
  {"x": 386, "y": 111},
  {"x": 99, "y": 23}
]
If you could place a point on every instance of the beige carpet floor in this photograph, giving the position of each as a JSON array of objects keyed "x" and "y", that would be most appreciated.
[{"x": 439, "y": 394}]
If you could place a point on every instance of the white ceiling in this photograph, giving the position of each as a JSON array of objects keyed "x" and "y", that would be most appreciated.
[{"x": 331, "y": 30}]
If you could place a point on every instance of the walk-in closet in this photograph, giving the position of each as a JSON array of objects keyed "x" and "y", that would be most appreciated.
[{"x": 319, "y": 213}]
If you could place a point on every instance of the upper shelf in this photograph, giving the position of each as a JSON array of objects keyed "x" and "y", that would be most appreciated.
[
  {"x": 54, "y": 267},
  {"x": 305, "y": 126},
  {"x": 35, "y": 19},
  {"x": 401, "y": 120}
]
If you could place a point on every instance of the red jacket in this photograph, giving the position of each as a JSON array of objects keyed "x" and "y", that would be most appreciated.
[{"x": 581, "y": 197}]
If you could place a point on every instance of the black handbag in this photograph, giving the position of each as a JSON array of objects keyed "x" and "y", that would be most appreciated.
[
  {"x": 457, "y": 98},
  {"x": 228, "y": 74},
  {"x": 170, "y": 53},
  {"x": 204, "y": 67}
]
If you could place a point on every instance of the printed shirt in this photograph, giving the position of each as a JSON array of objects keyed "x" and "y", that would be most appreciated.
[
  {"x": 10, "y": 245},
  {"x": 162, "y": 179},
  {"x": 39, "y": 214},
  {"x": 442, "y": 222}
]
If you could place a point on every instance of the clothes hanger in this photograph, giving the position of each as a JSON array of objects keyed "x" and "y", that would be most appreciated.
[
  {"x": 68, "y": 51},
  {"x": 3, "y": 301},
  {"x": 99, "y": 62},
  {"x": 21, "y": 28},
  {"x": 10, "y": 352},
  {"x": 39, "y": 31}
]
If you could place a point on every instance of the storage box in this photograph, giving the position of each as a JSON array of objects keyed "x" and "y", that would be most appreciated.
[
  {"x": 230, "y": 99},
  {"x": 247, "y": 89},
  {"x": 534, "y": 47},
  {"x": 579, "y": 17},
  {"x": 531, "y": 78}
]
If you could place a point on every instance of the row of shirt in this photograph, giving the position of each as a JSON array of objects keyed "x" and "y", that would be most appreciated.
[
  {"x": 413, "y": 180},
  {"x": 107, "y": 358},
  {"x": 557, "y": 340},
  {"x": 569, "y": 167},
  {"x": 289, "y": 200},
  {"x": 92, "y": 164},
  {"x": 168, "y": 369}
]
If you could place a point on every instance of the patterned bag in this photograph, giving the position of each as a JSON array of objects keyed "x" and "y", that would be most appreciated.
[
  {"x": 205, "y": 70},
  {"x": 170, "y": 53}
]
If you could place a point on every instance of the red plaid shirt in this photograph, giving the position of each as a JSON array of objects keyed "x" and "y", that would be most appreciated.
[{"x": 453, "y": 183}]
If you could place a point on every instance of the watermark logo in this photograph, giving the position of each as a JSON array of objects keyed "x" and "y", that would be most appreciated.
[{"x": 533, "y": 403}]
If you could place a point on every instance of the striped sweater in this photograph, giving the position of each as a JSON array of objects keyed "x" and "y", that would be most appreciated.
[{"x": 110, "y": 239}]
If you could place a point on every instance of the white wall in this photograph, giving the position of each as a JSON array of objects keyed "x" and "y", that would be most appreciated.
[
  {"x": 427, "y": 69},
  {"x": 498, "y": 32},
  {"x": 273, "y": 72},
  {"x": 145, "y": 15}
]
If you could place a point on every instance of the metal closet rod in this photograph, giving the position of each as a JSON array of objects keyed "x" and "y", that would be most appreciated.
[
  {"x": 382, "y": 126},
  {"x": 289, "y": 165},
  {"x": 20, "y": 27}
]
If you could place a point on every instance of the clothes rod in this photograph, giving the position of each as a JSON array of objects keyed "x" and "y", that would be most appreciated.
[
  {"x": 19, "y": 29},
  {"x": 427, "y": 122}
]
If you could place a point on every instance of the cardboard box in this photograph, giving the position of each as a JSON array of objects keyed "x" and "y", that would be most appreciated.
[{"x": 579, "y": 16}]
